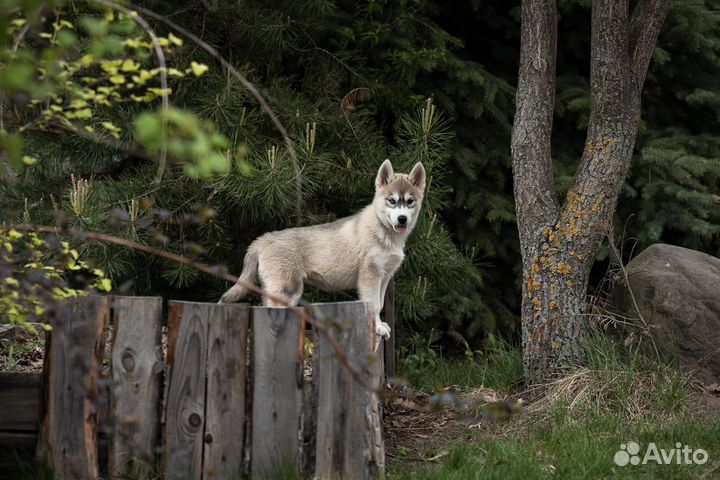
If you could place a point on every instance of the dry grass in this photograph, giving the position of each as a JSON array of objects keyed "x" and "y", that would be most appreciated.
[{"x": 630, "y": 391}]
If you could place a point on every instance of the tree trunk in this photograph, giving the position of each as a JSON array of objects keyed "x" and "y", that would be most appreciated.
[{"x": 559, "y": 243}]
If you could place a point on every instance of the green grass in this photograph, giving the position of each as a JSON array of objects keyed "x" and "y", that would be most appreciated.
[
  {"x": 574, "y": 429},
  {"x": 572, "y": 448},
  {"x": 425, "y": 369},
  {"x": 19, "y": 355}
]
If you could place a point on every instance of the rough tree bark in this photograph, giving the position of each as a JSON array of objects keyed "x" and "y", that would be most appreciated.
[{"x": 559, "y": 242}]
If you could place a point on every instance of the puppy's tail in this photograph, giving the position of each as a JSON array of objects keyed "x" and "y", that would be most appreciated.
[{"x": 249, "y": 274}]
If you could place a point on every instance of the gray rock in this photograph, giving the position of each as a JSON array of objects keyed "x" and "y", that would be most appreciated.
[{"x": 677, "y": 291}]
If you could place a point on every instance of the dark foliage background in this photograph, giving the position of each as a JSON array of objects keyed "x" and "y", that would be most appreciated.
[{"x": 462, "y": 271}]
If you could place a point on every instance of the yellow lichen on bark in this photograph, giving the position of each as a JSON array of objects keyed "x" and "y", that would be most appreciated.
[
  {"x": 598, "y": 149},
  {"x": 564, "y": 268}
]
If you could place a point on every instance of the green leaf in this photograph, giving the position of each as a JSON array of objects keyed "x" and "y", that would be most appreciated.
[
  {"x": 78, "y": 103},
  {"x": 16, "y": 76},
  {"x": 104, "y": 284},
  {"x": 114, "y": 45},
  {"x": 244, "y": 167},
  {"x": 66, "y": 38},
  {"x": 130, "y": 65},
  {"x": 148, "y": 130},
  {"x": 94, "y": 26},
  {"x": 198, "y": 68},
  {"x": 83, "y": 114},
  {"x": 13, "y": 145},
  {"x": 174, "y": 40}
]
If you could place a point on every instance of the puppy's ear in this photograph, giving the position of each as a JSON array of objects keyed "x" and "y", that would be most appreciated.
[
  {"x": 385, "y": 175},
  {"x": 417, "y": 176}
]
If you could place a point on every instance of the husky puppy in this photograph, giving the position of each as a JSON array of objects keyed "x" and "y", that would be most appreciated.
[{"x": 359, "y": 252}]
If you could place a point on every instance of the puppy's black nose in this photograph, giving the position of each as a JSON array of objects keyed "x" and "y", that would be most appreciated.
[{"x": 402, "y": 219}]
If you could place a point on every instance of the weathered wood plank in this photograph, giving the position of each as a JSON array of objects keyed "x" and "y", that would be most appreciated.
[
  {"x": 225, "y": 400},
  {"x": 20, "y": 380},
  {"x": 185, "y": 403},
  {"x": 348, "y": 414},
  {"x": 390, "y": 369},
  {"x": 277, "y": 396},
  {"x": 136, "y": 369},
  {"x": 18, "y": 440},
  {"x": 68, "y": 435},
  {"x": 20, "y": 396}
]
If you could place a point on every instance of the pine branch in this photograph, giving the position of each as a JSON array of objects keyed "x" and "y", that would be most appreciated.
[{"x": 251, "y": 88}]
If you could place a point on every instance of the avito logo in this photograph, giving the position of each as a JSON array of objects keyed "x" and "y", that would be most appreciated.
[{"x": 680, "y": 455}]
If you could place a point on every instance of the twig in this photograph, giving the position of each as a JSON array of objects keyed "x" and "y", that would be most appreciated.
[
  {"x": 436, "y": 457},
  {"x": 16, "y": 45},
  {"x": 19, "y": 37},
  {"x": 163, "y": 72},
  {"x": 103, "y": 140},
  {"x": 250, "y": 87},
  {"x": 215, "y": 271},
  {"x": 613, "y": 248}
]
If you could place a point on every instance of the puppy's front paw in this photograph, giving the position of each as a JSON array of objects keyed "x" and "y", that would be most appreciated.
[{"x": 382, "y": 330}]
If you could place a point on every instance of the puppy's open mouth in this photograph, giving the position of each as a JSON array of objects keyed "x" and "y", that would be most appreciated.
[{"x": 400, "y": 228}]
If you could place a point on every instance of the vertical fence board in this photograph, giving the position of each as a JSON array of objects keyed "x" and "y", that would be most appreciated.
[
  {"x": 69, "y": 428},
  {"x": 376, "y": 468},
  {"x": 389, "y": 369},
  {"x": 136, "y": 368},
  {"x": 346, "y": 445},
  {"x": 205, "y": 433},
  {"x": 185, "y": 402},
  {"x": 277, "y": 397},
  {"x": 225, "y": 401}
]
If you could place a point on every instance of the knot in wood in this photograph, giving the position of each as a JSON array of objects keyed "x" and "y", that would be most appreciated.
[
  {"x": 128, "y": 360},
  {"x": 194, "y": 420}
]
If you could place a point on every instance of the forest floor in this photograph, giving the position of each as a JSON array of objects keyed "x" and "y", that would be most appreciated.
[
  {"x": 572, "y": 428},
  {"x": 445, "y": 445},
  {"x": 20, "y": 351}
]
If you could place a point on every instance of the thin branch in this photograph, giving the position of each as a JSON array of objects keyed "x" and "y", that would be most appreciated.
[
  {"x": 215, "y": 271},
  {"x": 19, "y": 37},
  {"x": 626, "y": 279},
  {"x": 163, "y": 72},
  {"x": 251, "y": 88},
  {"x": 16, "y": 45},
  {"x": 105, "y": 140},
  {"x": 645, "y": 24}
]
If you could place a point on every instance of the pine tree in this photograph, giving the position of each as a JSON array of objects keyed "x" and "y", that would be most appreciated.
[
  {"x": 306, "y": 56},
  {"x": 339, "y": 150}
]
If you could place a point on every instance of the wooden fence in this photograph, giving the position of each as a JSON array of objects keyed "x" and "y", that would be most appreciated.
[{"x": 226, "y": 391}]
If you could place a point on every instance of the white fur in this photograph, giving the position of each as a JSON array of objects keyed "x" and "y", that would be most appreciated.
[
  {"x": 360, "y": 252},
  {"x": 395, "y": 213}
]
